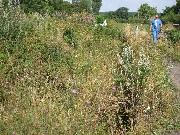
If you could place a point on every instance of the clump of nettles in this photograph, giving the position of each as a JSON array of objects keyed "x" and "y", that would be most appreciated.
[{"x": 129, "y": 81}]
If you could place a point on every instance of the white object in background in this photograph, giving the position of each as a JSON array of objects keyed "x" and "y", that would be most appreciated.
[
  {"x": 137, "y": 31},
  {"x": 104, "y": 23}
]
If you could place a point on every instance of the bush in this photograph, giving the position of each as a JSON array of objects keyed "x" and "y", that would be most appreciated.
[
  {"x": 99, "y": 19},
  {"x": 173, "y": 35},
  {"x": 111, "y": 32}
]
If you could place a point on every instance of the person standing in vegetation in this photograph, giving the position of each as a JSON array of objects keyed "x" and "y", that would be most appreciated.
[{"x": 155, "y": 27}]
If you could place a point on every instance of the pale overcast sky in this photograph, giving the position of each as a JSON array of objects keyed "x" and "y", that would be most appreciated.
[{"x": 133, "y": 5}]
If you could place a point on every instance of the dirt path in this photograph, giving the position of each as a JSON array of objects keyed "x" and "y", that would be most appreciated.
[{"x": 174, "y": 68}]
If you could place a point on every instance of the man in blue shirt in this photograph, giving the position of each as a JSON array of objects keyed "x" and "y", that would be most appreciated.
[{"x": 155, "y": 27}]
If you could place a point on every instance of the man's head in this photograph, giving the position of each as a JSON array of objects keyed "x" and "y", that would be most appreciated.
[{"x": 156, "y": 16}]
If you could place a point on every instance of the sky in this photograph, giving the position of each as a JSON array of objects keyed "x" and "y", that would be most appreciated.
[{"x": 133, "y": 5}]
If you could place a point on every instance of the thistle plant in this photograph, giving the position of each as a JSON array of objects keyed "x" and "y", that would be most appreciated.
[{"x": 130, "y": 80}]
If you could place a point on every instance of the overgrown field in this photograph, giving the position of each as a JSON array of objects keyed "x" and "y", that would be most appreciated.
[{"x": 66, "y": 76}]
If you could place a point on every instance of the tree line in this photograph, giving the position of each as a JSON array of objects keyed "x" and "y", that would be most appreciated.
[
  {"x": 122, "y": 14},
  {"x": 145, "y": 13},
  {"x": 50, "y": 6},
  {"x": 172, "y": 14}
]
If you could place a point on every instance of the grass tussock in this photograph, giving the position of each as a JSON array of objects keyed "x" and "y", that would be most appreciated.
[{"x": 64, "y": 77}]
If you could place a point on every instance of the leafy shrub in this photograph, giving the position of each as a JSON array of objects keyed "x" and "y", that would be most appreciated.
[
  {"x": 99, "y": 19},
  {"x": 173, "y": 36},
  {"x": 172, "y": 17}
]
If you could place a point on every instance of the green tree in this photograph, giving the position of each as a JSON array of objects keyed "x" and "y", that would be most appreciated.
[
  {"x": 111, "y": 15},
  {"x": 57, "y": 5},
  {"x": 41, "y": 6},
  {"x": 145, "y": 11},
  {"x": 82, "y": 5},
  {"x": 96, "y": 5},
  {"x": 85, "y": 5},
  {"x": 172, "y": 14},
  {"x": 178, "y": 5},
  {"x": 68, "y": 7},
  {"x": 122, "y": 13}
]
